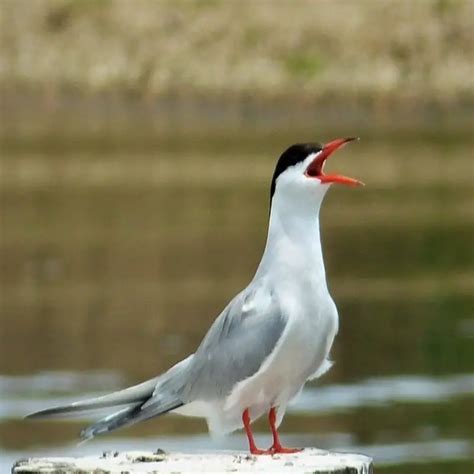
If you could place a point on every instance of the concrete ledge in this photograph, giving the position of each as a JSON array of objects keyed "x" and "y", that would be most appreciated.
[{"x": 311, "y": 460}]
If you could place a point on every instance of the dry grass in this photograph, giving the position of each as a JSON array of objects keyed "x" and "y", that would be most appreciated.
[{"x": 403, "y": 49}]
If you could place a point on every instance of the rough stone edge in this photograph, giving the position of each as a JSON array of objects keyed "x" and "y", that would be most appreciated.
[{"x": 54, "y": 465}]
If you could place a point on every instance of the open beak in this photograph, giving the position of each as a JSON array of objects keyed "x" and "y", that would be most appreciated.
[{"x": 315, "y": 168}]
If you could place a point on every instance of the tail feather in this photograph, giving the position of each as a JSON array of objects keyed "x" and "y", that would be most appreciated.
[
  {"x": 149, "y": 399},
  {"x": 131, "y": 395},
  {"x": 126, "y": 417},
  {"x": 108, "y": 423}
]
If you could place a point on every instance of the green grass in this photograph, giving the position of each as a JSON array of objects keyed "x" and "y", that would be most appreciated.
[{"x": 304, "y": 66}]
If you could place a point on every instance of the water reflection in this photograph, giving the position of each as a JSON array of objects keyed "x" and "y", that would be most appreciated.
[
  {"x": 27, "y": 394},
  {"x": 119, "y": 262}
]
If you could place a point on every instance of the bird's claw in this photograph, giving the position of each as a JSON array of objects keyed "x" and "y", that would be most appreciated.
[
  {"x": 257, "y": 451},
  {"x": 283, "y": 450}
]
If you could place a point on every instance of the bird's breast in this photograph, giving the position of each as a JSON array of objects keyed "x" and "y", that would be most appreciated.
[
  {"x": 312, "y": 323},
  {"x": 299, "y": 282}
]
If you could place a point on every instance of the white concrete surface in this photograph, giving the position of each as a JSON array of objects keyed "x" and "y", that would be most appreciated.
[{"x": 310, "y": 460}]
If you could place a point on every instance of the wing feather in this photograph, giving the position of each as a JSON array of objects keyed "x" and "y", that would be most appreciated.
[{"x": 237, "y": 344}]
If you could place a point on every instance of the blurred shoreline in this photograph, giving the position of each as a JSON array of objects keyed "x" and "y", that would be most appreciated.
[
  {"x": 32, "y": 119},
  {"x": 120, "y": 69}
]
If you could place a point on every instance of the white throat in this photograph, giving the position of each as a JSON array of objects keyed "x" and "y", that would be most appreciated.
[{"x": 293, "y": 240}]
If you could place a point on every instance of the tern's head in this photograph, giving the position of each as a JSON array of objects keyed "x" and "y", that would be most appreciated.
[{"x": 299, "y": 174}]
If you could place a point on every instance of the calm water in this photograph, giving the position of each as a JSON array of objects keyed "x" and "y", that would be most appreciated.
[{"x": 114, "y": 261}]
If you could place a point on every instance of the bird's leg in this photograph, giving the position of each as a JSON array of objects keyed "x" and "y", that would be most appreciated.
[
  {"x": 248, "y": 430},
  {"x": 276, "y": 446}
]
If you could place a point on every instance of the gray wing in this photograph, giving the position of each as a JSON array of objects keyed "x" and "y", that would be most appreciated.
[{"x": 237, "y": 344}]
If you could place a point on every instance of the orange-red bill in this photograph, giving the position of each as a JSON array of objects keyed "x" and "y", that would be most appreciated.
[{"x": 315, "y": 169}]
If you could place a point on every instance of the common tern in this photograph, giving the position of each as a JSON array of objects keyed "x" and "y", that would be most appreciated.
[{"x": 271, "y": 338}]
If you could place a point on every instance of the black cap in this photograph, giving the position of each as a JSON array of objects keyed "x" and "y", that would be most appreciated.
[{"x": 292, "y": 156}]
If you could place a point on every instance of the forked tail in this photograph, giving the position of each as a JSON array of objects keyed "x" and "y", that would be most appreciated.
[{"x": 149, "y": 399}]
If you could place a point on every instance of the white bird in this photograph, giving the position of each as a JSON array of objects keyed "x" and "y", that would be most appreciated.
[{"x": 269, "y": 340}]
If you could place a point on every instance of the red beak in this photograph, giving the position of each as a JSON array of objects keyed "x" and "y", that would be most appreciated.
[{"x": 315, "y": 169}]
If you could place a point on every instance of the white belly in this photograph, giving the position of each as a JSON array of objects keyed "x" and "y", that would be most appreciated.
[{"x": 301, "y": 352}]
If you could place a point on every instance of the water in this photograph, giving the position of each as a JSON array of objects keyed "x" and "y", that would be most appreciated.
[{"x": 114, "y": 261}]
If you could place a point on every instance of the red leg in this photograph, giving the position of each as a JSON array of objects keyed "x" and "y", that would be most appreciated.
[
  {"x": 248, "y": 430},
  {"x": 276, "y": 446}
]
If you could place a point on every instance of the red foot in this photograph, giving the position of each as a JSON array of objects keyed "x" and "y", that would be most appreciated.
[
  {"x": 283, "y": 450},
  {"x": 257, "y": 451},
  {"x": 248, "y": 430},
  {"x": 276, "y": 447}
]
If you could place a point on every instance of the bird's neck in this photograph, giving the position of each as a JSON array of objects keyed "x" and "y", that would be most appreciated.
[{"x": 293, "y": 242}]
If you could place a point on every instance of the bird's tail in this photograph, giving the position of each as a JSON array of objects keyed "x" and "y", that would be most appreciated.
[
  {"x": 127, "y": 416},
  {"x": 131, "y": 395},
  {"x": 149, "y": 399}
]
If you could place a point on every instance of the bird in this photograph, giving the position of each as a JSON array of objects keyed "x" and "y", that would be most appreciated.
[{"x": 269, "y": 340}]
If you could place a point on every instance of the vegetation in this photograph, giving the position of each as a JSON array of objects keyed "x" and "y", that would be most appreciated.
[{"x": 369, "y": 49}]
